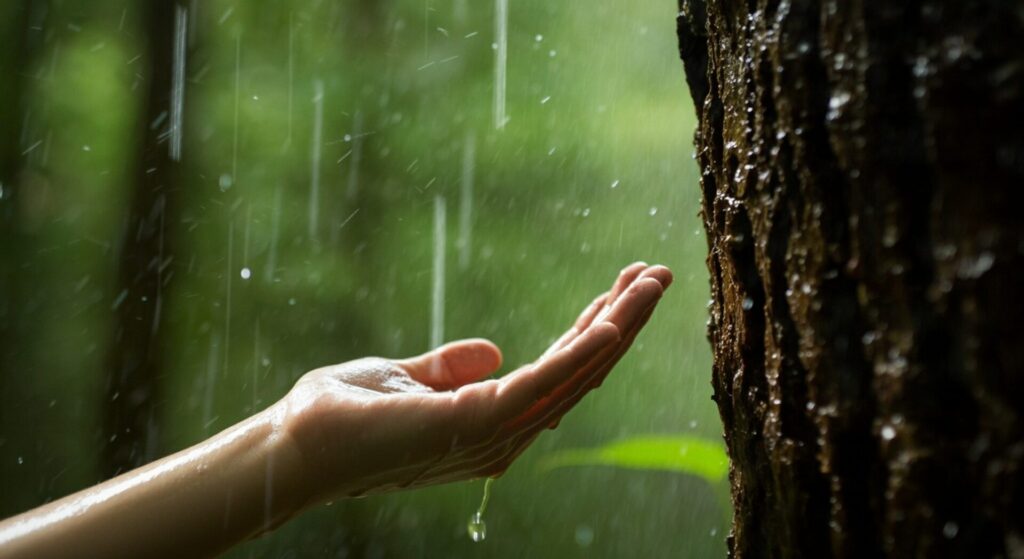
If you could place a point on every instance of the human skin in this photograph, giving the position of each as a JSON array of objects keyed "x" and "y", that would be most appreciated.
[{"x": 364, "y": 427}]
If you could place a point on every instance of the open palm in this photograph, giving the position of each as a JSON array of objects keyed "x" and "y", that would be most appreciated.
[{"x": 375, "y": 425}]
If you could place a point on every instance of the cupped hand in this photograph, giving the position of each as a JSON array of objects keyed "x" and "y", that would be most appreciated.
[{"x": 375, "y": 425}]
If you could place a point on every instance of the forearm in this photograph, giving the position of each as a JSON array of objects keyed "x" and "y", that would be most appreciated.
[{"x": 195, "y": 503}]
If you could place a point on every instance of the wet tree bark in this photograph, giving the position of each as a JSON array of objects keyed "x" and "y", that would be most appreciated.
[
  {"x": 133, "y": 388},
  {"x": 860, "y": 169}
]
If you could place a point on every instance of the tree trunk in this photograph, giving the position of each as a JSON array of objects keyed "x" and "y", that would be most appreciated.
[
  {"x": 860, "y": 167},
  {"x": 132, "y": 389}
]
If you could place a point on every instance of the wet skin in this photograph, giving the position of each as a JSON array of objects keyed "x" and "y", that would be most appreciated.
[{"x": 364, "y": 427}]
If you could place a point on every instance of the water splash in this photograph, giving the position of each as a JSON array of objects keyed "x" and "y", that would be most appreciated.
[
  {"x": 476, "y": 527},
  {"x": 466, "y": 200},
  {"x": 314, "y": 158},
  {"x": 500, "y": 62},
  {"x": 178, "y": 81},
  {"x": 437, "y": 291}
]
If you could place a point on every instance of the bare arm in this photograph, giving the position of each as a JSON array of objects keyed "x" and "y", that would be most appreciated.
[
  {"x": 197, "y": 502},
  {"x": 368, "y": 426}
]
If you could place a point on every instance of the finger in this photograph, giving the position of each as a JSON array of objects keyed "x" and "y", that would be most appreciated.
[
  {"x": 584, "y": 320},
  {"x": 634, "y": 301},
  {"x": 630, "y": 315},
  {"x": 522, "y": 389},
  {"x": 454, "y": 364},
  {"x": 626, "y": 277},
  {"x": 627, "y": 310},
  {"x": 658, "y": 272},
  {"x": 496, "y": 453},
  {"x": 596, "y": 378}
]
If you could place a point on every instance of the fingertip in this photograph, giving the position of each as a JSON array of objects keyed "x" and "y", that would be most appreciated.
[
  {"x": 473, "y": 355},
  {"x": 648, "y": 286},
  {"x": 661, "y": 273},
  {"x": 608, "y": 332},
  {"x": 455, "y": 364},
  {"x": 626, "y": 277}
]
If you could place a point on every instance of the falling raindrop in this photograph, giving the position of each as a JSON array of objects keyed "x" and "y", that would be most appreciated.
[
  {"x": 357, "y": 155},
  {"x": 466, "y": 200},
  {"x": 238, "y": 85},
  {"x": 314, "y": 157},
  {"x": 500, "y": 62},
  {"x": 476, "y": 527},
  {"x": 227, "y": 295},
  {"x": 178, "y": 82},
  {"x": 275, "y": 233},
  {"x": 246, "y": 273},
  {"x": 437, "y": 293}
]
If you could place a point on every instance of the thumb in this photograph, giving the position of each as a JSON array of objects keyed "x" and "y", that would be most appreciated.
[{"x": 454, "y": 364}]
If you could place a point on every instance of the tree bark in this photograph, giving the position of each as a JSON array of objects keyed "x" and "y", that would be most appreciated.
[{"x": 860, "y": 167}]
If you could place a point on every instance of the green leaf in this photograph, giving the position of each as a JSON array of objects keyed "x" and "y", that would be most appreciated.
[{"x": 684, "y": 454}]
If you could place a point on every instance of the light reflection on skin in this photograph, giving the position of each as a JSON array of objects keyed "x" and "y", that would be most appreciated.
[{"x": 79, "y": 504}]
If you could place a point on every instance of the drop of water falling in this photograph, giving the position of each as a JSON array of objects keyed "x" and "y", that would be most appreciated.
[
  {"x": 476, "y": 527},
  {"x": 888, "y": 433},
  {"x": 652, "y": 212},
  {"x": 246, "y": 273}
]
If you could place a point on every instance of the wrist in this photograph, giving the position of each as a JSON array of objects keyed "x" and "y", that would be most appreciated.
[{"x": 289, "y": 489}]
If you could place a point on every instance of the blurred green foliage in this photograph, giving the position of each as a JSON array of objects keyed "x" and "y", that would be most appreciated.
[
  {"x": 592, "y": 171},
  {"x": 683, "y": 454}
]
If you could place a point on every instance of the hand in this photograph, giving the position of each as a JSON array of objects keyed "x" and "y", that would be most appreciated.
[{"x": 375, "y": 425}]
